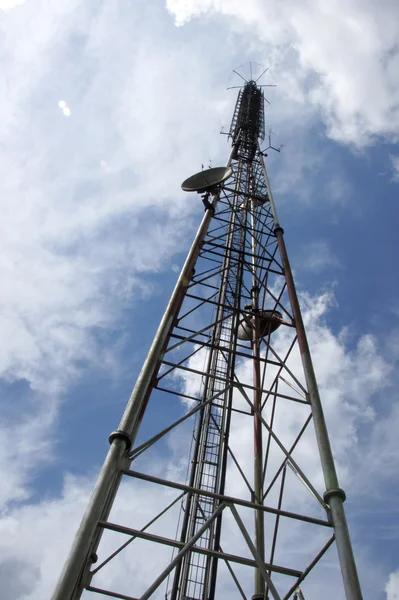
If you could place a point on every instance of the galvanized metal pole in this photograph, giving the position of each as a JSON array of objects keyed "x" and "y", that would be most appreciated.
[
  {"x": 334, "y": 495},
  {"x": 87, "y": 538},
  {"x": 257, "y": 399}
]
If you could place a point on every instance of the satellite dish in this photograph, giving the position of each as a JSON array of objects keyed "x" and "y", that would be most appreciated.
[{"x": 206, "y": 180}]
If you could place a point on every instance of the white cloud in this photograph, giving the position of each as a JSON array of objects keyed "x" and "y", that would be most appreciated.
[
  {"x": 26, "y": 441},
  {"x": 78, "y": 228},
  {"x": 21, "y": 529},
  {"x": 392, "y": 586},
  {"x": 88, "y": 206},
  {"x": 7, "y": 4},
  {"x": 317, "y": 256},
  {"x": 54, "y": 521},
  {"x": 348, "y": 52}
]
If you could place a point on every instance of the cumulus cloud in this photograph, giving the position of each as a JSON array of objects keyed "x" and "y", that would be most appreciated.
[
  {"x": 21, "y": 529},
  {"x": 90, "y": 204},
  {"x": 392, "y": 586}
]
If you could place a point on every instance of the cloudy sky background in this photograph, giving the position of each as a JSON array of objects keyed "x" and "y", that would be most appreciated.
[{"x": 106, "y": 107}]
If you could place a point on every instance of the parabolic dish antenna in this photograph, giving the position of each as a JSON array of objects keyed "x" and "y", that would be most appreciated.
[{"x": 206, "y": 180}]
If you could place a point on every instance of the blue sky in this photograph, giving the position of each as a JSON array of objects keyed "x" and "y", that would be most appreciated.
[{"x": 95, "y": 227}]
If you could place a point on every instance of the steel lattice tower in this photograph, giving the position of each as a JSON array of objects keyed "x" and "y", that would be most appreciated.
[{"x": 231, "y": 356}]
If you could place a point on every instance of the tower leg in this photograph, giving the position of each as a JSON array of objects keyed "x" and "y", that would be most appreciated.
[
  {"x": 333, "y": 496},
  {"x": 257, "y": 399},
  {"x": 88, "y": 535}
]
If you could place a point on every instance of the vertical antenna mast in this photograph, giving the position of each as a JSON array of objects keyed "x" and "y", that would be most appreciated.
[{"x": 235, "y": 307}]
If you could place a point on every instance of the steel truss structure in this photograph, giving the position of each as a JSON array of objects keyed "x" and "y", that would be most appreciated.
[{"x": 230, "y": 357}]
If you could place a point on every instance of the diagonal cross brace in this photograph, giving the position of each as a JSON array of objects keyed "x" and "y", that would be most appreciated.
[
  {"x": 255, "y": 553},
  {"x": 191, "y": 542}
]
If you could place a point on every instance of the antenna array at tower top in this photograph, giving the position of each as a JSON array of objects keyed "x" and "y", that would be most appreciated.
[{"x": 248, "y": 122}]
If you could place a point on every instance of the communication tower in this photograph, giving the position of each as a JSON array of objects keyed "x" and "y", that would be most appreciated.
[{"x": 261, "y": 504}]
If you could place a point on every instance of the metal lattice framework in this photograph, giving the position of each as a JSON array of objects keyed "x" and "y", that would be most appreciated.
[{"x": 230, "y": 358}]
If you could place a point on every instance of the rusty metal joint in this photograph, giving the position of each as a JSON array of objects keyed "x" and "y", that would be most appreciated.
[{"x": 118, "y": 434}]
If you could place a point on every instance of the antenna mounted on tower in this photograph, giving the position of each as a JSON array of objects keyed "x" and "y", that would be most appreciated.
[{"x": 206, "y": 180}]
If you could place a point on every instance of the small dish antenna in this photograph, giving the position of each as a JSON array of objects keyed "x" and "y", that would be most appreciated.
[
  {"x": 269, "y": 321},
  {"x": 204, "y": 181}
]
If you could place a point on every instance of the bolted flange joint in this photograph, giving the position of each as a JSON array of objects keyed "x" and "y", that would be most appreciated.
[
  {"x": 121, "y": 435},
  {"x": 278, "y": 229},
  {"x": 257, "y": 597},
  {"x": 337, "y": 492}
]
